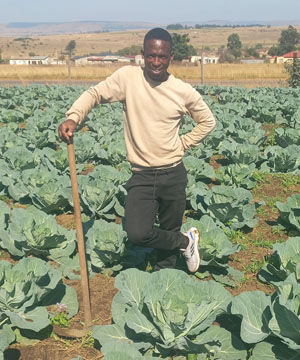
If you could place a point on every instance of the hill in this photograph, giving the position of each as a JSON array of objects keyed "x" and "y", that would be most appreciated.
[
  {"x": 95, "y": 42},
  {"x": 76, "y": 27}
]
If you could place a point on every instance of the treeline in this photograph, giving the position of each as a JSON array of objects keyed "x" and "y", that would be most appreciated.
[{"x": 202, "y": 26}]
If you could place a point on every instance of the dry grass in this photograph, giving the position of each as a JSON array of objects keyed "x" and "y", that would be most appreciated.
[
  {"x": 231, "y": 72},
  {"x": 212, "y": 72},
  {"x": 86, "y": 44}
]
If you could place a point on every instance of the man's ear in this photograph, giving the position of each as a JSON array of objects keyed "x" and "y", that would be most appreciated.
[
  {"x": 142, "y": 52},
  {"x": 172, "y": 56}
]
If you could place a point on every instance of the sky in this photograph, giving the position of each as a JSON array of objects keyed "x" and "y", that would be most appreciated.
[{"x": 157, "y": 11}]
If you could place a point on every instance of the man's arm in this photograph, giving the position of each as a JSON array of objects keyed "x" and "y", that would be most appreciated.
[
  {"x": 109, "y": 90},
  {"x": 204, "y": 118}
]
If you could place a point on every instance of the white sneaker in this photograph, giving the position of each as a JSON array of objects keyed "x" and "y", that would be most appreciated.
[{"x": 191, "y": 253}]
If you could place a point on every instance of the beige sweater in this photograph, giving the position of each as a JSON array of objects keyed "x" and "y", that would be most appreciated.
[{"x": 152, "y": 115}]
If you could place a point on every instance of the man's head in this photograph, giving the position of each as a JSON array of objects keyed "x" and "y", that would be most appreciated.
[{"x": 157, "y": 53}]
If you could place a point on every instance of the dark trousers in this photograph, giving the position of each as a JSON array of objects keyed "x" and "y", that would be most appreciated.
[{"x": 157, "y": 196}]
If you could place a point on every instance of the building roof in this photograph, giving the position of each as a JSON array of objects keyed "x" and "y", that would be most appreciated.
[
  {"x": 30, "y": 58},
  {"x": 291, "y": 54}
]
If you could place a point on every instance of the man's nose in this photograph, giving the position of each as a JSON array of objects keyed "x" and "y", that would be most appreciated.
[{"x": 156, "y": 61}]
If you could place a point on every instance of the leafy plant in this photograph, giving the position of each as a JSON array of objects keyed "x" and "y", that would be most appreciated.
[
  {"x": 241, "y": 153},
  {"x": 31, "y": 231},
  {"x": 284, "y": 261},
  {"x": 215, "y": 249},
  {"x": 280, "y": 159},
  {"x": 229, "y": 206},
  {"x": 26, "y": 289},
  {"x": 106, "y": 244},
  {"x": 289, "y": 212},
  {"x": 238, "y": 175},
  {"x": 162, "y": 312}
]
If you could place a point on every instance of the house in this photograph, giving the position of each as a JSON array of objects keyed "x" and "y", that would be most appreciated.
[
  {"x": 139, "y": 60},
  {"x": 207, "y": 59},
  {"x": 286, "y": 58},
  {"x": 262, "y": 53},
  {"x": 102, "y": 60},
  {"x": 31, "y": 60}
]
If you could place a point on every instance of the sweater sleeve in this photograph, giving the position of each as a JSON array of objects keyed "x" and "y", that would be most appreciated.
[
  {"x": 110, "y": 90},
  {"x": 202, "y": 115}
]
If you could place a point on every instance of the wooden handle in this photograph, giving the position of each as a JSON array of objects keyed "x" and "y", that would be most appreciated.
[{"x": 80, "y": 238}]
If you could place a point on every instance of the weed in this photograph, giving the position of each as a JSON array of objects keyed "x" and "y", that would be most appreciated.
[
  {"x": 263, "y": 243},
  {"x": 277, "y": 230},
  {"x": 234, "y": 235},
  {"x": 235, "y": 258},
  {"x": 60, "y": 317},
  {"x": 5, "y": 198},
  {"x": 254, "y": 266},
  {"x": 260, "y": 177},
  {"x": 261, "y": 211},
  {"x": 88, "y": 340},
  {"x": 289, "y": 180},
  {"x": 272, "y": 202}
]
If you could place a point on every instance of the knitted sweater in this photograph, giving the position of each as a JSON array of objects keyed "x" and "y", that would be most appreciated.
[{"x": 152, "y": 114}]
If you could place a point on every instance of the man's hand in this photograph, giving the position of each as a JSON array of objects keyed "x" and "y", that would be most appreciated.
[{"x": 66, "y": 130}]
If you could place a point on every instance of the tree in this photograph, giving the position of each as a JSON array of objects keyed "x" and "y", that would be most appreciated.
[
  {"x": 251, "y": 52},
  {"x": 234, "y": 45},
  {"x": 288, "y": 40},
  {"x": 273, "y": 51},
  {"x": 70, "y": 48},
  {"x": 174, "y": 27},
  {"x": 181, "y": 47},
  {"x": 294, "y": 72},
  {"x": 225, "y": 56}
]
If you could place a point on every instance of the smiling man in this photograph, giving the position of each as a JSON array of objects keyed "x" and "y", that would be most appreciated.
[{"x": 154, "y": 103}]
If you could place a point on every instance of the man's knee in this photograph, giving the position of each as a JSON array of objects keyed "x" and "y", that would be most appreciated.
[{"x": 140, "y": 237}]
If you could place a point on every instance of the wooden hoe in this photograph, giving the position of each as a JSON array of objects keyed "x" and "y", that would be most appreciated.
[{"x": 75, "y": 333}]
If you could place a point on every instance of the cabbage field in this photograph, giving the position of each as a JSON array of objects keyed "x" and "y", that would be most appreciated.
[{"x": 242, "y": 304}]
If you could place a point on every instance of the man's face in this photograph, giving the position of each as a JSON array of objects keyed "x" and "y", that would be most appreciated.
[{"x": 157, "y": 55}]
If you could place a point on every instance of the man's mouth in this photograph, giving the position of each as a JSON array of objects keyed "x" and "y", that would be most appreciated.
[{"x": 156, "y": 71}]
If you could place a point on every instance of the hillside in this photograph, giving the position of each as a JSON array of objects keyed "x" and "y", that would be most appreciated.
[
  {"x": 76, "y": 27},
  {"x": 97, "y": 42}
]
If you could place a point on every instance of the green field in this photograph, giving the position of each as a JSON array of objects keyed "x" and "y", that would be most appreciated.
[{"x": 242, "y": 195}]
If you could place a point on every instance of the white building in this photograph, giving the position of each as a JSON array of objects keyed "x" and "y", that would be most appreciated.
[
  {"x": 31, "y": 60},
  {"x": 109, "y": 59},
  {"x": 207, "y": 59}
]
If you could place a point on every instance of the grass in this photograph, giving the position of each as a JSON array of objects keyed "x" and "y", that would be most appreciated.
[{"x": 213, "y": 72}]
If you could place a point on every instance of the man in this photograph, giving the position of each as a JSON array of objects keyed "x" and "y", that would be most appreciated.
[{"x": 154, "y": 103}]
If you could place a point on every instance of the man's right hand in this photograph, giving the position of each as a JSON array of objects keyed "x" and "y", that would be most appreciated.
[{"x": 66, "y": 130}]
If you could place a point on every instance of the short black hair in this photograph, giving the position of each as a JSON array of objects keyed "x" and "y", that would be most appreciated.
[{"x": 158, "y": 34}]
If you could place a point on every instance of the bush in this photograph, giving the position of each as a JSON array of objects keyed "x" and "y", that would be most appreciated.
[{"x": 294, "y": 73}]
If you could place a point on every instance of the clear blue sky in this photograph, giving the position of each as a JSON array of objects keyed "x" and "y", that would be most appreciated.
[{"x": 159, "y": 11}]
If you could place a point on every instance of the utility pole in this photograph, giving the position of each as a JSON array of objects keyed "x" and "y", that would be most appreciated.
[
  {"x": 202, "y": 68},
  {"x": 69, "y": 68}
]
